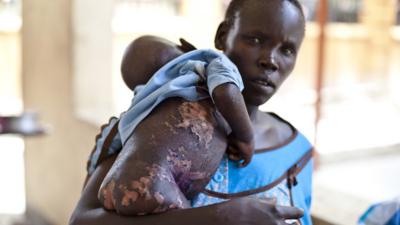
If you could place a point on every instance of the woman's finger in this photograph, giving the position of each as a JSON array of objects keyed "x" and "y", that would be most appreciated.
[
  {"x": 244, "y": 162},
  {"x": 288, "y": 212},
  {"x": 233, "y": 157},
  {"x": 271, "y": 201},
  {"x": 294, "y": 223},
  {"x": 233, "y": 154}
]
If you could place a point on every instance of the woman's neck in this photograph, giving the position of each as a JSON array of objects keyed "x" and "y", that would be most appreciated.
[
  {"x": 268, "y": 130},
  {"x": 253, "y": 111}
]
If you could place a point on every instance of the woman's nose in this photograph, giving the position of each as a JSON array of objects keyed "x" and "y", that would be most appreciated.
[{"x": 268, "y": 62}]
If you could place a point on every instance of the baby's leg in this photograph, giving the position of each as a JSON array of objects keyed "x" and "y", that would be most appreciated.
[
  {"x": 135, "y": 187},
  {"x": 170, "y": 157}
]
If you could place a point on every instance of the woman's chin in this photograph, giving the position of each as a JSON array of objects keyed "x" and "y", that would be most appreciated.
[
  {"x": 257, "y": 100},
  {"x": 257, "y": 96}
]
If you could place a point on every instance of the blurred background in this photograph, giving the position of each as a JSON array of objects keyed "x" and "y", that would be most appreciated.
[{"x": 61, "y": 59}]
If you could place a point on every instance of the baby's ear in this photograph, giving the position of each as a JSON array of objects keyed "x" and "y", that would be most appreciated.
[{"x": 221, "y": 35}]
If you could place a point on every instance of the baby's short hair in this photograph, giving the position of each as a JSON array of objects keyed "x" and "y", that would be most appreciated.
[{"x": 144, "y": 56}]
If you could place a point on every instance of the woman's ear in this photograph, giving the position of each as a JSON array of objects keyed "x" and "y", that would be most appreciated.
[{"x": 221, "y": 35}]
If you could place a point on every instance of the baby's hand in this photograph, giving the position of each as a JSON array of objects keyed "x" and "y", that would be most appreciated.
[{"x": 239, "y": 150}]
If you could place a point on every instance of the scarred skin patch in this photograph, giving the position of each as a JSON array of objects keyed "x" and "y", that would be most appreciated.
[
  {"x": 137, "y": 188},
  {"x": 159, "y": 198},
  {"x": 198, "y": 119},
  {"x": 156, "y": 171},
  {"x": 129, "y": 196},
  {"x": 181, "y": 169},
  {"x": 107, "y": 192},
  {"x": 137, "y": 191},
  {"x": 171, "y": 128}
]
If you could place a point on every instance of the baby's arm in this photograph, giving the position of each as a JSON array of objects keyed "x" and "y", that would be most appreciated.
[{"x": 230, "y": 103}]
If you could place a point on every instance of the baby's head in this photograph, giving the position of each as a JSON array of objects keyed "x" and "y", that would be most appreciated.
[
  {"x": 262, "y": 37},
  {"x": 144, "y": 56}
]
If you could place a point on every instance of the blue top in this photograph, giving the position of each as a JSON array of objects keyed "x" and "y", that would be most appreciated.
[{"x": 264, "y": 168}]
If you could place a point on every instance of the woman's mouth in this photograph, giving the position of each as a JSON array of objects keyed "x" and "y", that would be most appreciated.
[
  {"x": 261, "y": 82},
  {"x": 265, "y": 83}
]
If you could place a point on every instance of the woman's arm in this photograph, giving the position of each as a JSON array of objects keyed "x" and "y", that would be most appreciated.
[{"x": 239, "y": 211}]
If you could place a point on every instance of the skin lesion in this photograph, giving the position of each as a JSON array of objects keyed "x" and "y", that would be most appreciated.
[
  {"x": 107, "y": 195},
  {"x": 154, "y": 192},
  {"x": 159, "y": 197},
  {"x": 182, "y": 169},
  {"x": 129, "y": 196},
  {"x": 170, "y": 127},
  {"x": 198, "y": 118}
]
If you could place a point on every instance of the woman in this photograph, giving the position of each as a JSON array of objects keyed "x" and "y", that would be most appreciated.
[{"x": 262, "y": 38}]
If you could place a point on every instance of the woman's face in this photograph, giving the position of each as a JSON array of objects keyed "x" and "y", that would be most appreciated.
[{"x": 263, "y": 42}]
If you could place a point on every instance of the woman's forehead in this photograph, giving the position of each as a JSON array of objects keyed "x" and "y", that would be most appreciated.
[
  {"x": 279, "y": 14},
  {"x": 268, "y": 10}
]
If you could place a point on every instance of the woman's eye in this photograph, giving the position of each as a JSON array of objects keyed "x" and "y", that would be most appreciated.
[
  {"x": 288, "y": 51},
  {"x": 253, "y": 40},
  {"x": 256, "y": 40}
]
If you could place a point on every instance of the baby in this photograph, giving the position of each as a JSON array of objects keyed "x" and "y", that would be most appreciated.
[{"x": 174, "y": 134}]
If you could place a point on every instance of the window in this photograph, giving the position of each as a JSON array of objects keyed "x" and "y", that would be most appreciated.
[
  {"x": 10, "y": 19},
  {"x": 309, "y": 8},
  {"x": 340, "y": 11},
  {"x": 344, "y": 11},
  {"x": 144, "y": 15}
]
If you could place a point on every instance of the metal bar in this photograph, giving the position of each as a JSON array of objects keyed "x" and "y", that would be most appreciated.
[{"x": 322, "y": 17}]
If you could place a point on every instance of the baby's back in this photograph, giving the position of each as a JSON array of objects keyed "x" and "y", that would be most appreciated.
[{"x": 170, "y": 157}]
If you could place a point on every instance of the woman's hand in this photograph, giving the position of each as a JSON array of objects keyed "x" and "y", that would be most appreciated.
[{"x": 248, "y": 210}]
